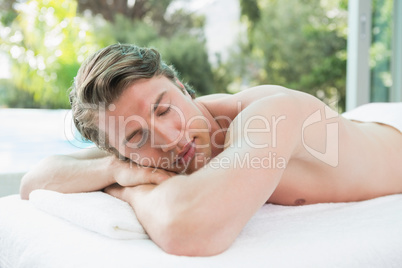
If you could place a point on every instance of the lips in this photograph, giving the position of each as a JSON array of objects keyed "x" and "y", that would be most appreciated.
[{"x": 187, "y": 153}]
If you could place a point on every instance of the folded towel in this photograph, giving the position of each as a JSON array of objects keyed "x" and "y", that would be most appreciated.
[{"x": 95, "y": 211}]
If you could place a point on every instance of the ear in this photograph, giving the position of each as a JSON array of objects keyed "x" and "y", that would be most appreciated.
[
  {"x": 180, "y": 84},
  {"x": 183, "y": 88}
]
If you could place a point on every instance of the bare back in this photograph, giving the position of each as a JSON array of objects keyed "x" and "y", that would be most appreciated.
[{"x": 369, "y": 166}]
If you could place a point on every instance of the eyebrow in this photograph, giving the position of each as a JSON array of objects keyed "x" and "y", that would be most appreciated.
[
  {"x": 154, "y": 107},
  {"x": 158, "y": 100}
]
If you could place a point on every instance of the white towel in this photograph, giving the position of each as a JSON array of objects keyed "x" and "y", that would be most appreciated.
[{"x": 95, "y": 211}]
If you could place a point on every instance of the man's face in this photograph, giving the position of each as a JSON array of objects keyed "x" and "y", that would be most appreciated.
[{"x": 154, "y": 124}]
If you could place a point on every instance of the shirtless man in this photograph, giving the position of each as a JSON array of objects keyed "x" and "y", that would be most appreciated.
[{"x": 199, "y": 169}]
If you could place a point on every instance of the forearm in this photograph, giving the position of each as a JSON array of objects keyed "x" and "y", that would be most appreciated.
[
  {"x": 67, "y": 174},
  {"x": 190, "y": 215},
  {"x": 167, "y": 215}
]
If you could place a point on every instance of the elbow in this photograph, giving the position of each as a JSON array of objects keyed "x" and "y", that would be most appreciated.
[
  {"x": 193, "y": 240},
  {"x": 40, "y": 177},
  {"x": 33, "y": 179},
  {"x": 187, "y": 225},
  {"x": 184, "y": 251},
  {"x": 25, "y": 187},
  {"x": 192, "y": 246}
]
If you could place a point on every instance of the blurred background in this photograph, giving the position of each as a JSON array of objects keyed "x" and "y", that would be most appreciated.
[{"x": 216, "y": 45}]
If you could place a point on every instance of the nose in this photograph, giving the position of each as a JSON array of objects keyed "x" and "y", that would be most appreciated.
[{"x": 166, "y": 137}]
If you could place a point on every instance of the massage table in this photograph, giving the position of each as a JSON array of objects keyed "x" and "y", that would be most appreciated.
[{"x": 97, "y": 230}]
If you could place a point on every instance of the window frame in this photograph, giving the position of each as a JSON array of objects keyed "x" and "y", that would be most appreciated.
[{"x": 358, "y": 47}]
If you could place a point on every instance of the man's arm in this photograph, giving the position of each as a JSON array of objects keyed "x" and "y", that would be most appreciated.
[
  {"x": 201, "y": 214},
  {"x": 85, "y": 171}
]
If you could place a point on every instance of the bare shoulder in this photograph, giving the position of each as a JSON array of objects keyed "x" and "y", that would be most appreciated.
[
  {"x": 274, "y": 100},
  {"x": 268, "y": 115},
  {"x": 213, "y": 97},
  {"x": 282, "y": 114},
  {"x": 233, "y": 104},
  {"x": 245, "y": 96}
]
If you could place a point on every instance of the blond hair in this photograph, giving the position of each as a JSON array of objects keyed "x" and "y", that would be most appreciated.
[{"x": 103, "y": 77}]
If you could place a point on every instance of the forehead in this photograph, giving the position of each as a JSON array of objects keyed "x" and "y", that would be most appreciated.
[{"x": 139, "y": 97}]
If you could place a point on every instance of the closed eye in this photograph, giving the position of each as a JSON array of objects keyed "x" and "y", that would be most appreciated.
[
  {"x": 165, "y": 112},
  {"x": 138, "y": 140}
]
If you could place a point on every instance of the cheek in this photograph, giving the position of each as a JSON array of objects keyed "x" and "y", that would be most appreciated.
[
  {"x": 111, "y": 128},
  {"x": 141, "y": 156},
  {"x": 198, "y": 124},
  {"x": 141, "y": 159},
  {"x": 151, "y": 158},
  {"x": 194, "y": 118},
  {"x": 177, "y": 116}
]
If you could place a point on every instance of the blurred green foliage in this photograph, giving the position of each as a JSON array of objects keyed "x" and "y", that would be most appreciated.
[
  {"x": 48, "y": 40},
  {"x": 297, "y": 44}
]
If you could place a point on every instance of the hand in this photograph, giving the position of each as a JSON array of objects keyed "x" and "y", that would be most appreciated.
[
  {"x": 131, "y": 174},
  {"x": 128, "y": 194}
]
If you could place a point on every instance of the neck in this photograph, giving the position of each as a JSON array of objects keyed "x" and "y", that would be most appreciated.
[{"x": 217, "y": 126}]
